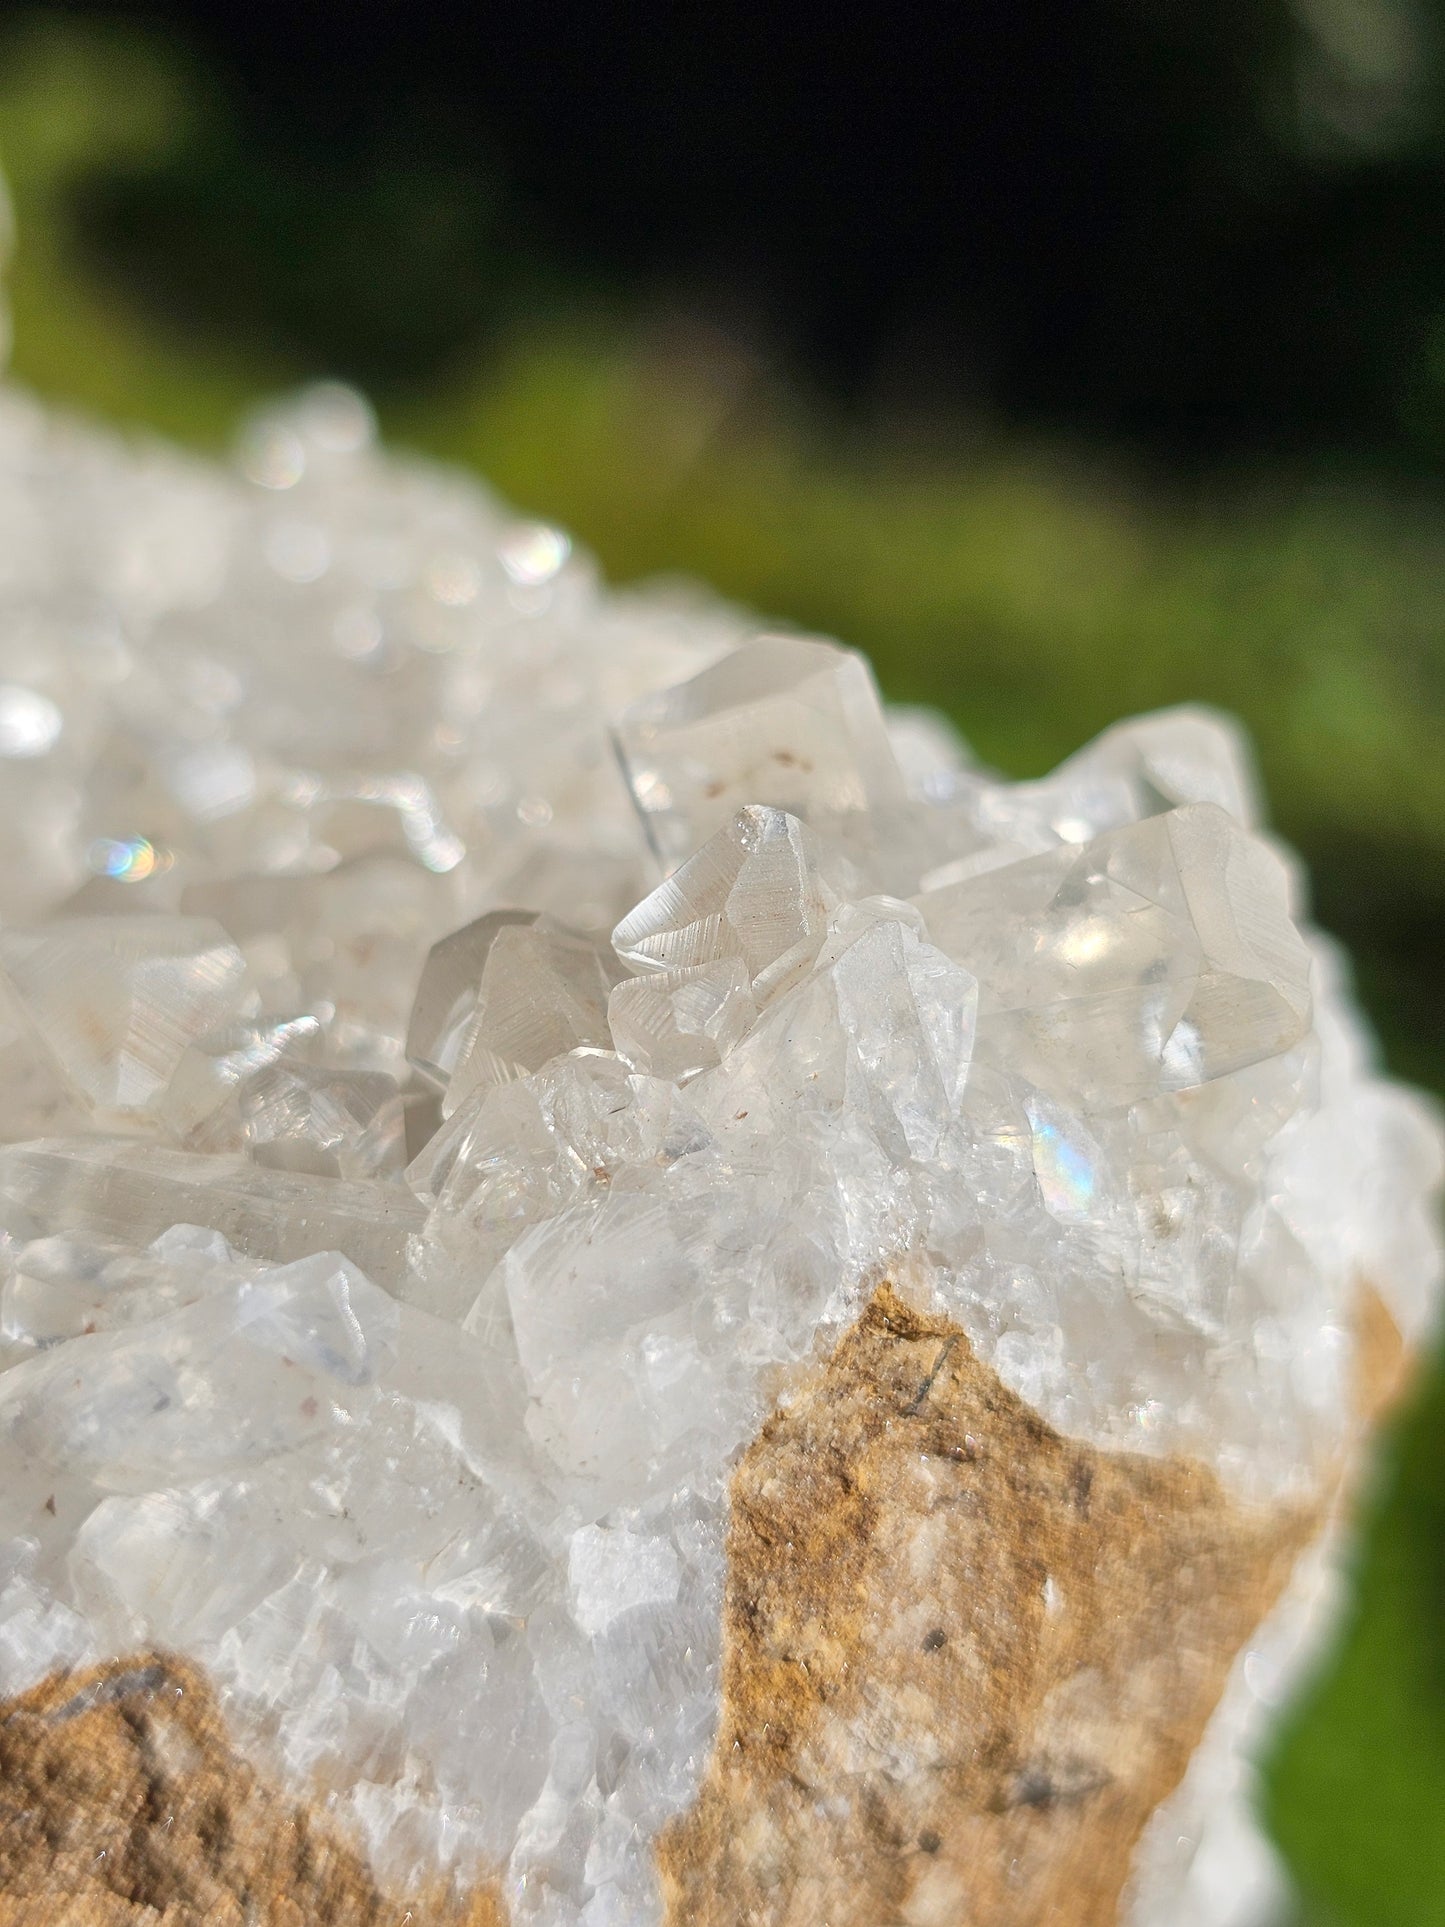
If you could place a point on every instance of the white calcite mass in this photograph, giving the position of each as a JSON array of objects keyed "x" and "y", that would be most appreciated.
[{"x": 474, "y": 1043}]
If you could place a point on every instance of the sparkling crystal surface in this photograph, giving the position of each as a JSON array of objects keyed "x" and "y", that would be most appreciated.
[{"x": 470, "y": 1036}]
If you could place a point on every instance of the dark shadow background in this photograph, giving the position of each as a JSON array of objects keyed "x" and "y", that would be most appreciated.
[{"x": 1205, "y": 231}]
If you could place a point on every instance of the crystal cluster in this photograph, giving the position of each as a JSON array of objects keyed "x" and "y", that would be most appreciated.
[{"x": 470, "y": 1036}]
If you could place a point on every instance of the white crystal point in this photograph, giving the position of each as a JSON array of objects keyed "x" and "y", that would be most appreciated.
[
  {"x": 1156, "y": 957},
  {"x": 909, "y": 1014},
  {"x": 932, "y": 757},
  {"x": 117, "y": 1000},
  {"x": 1144, "y": 766},
  {"x": 517, "y": 1153},
  {"x": 1134, "y": 769},
  {"x": 543, "y": 992},
  {"x": 446, "y": 995},
  {"x": 1190, "y": 754},
  {"x": 783, "y": 721},
  {"x": 881, "y": 1033},
  {"x": 754, "y": 891},
  {"x": 594, "y": 1294},
  {"x": 673, "y": 1023}
]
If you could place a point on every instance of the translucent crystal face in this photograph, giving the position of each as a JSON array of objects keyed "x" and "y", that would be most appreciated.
[
  {"x": 217, "y": 1069},
  {"x": 107, "y": 1192},
  {"x": 675, "y": 1022},
  {"x": 298, "y": 1117},
  {"x": 754, "y": 891},
  {"x": 117, "y": 1000},
  {"x": 1140, "y": 768},
  {"x": 1156, "y": 957},
  {"x": 447, "y": 995},
  {"x": 781, "y": 720},
  {"x": 469, "y": 1038},
  {"x": 541, "y": 992}
]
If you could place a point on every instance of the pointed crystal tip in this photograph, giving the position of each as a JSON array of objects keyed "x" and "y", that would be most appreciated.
[{"x": 784, "y": 721}]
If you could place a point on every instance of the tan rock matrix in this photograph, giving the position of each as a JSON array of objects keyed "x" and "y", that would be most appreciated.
[
  {"x": 965, "y": 1658},
  {"x": 632, "y": 1294},
  {"x": 125, "y": 1805}
]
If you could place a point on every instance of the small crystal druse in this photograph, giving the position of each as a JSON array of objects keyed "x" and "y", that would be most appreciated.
[{"x": 669, "y": 1298}]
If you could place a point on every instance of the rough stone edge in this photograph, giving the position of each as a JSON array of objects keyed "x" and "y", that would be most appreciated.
[
  {"x": 818, "y": 1741},
  {"x": 124, "y": 1803},
  {"x": 1206, "y": 1838}
]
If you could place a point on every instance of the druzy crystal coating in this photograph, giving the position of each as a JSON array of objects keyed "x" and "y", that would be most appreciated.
[{"x": 471, "y": 1035}]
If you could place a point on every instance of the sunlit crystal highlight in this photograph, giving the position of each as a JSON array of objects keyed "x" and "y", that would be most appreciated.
[
  {"x": 474, "y": 1042},
  {"x": 1155, "y": 957}
]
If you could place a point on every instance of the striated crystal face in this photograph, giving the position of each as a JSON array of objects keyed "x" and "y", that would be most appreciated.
[
  {"x": 116, "y": 1001},
  {"x": 472, "y": 1040},
  {"x": 448, "y": 993},
  {"x": 541, "y": 992},
  {"x": 679, "y": 1021},
  {"x": 754, "y": 891}
]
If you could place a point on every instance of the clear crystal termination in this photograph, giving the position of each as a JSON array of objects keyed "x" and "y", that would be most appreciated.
[{"x": 475, "y": 1042}]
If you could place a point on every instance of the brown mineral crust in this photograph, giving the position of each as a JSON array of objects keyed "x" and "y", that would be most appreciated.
[
  {"x": 964, "y": 1657},
  {"x": 123, "y": 1804},
  {"x": 1383, "y": 1361}
]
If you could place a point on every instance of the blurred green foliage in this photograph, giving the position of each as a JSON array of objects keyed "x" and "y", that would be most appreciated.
[
  {"x": 1033, "y": 594},
  {"x": 1198, "y": 229}
]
